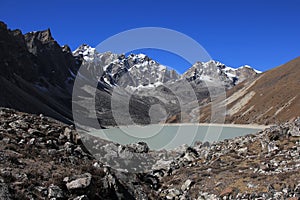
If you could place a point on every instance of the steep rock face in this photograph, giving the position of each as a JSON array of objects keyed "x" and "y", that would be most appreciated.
[
  {"x": 36, "y": 74},
  {"x": 55, "y": 61}
]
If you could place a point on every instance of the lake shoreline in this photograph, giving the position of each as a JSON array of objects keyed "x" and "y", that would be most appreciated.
[{"x": 250, "y": 126}]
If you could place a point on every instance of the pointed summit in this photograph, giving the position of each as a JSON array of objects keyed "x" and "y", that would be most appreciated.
[{"x": 44, "y": 36}]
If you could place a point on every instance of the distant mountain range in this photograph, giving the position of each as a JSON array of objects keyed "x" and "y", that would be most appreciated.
[
  {"x": 37, "y": 76},
  {"x": 146, "y": 72}
]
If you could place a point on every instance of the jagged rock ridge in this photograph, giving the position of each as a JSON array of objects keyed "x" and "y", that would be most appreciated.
[{"x": 36, "y": 73}]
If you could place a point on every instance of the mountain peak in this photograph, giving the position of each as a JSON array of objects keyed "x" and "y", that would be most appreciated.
[
  {"x": 251, "y": 68},
  {"x": 44, "y": 36},
  {"x": 3, "y": 25},
  {"x": 84, "y": 49}
]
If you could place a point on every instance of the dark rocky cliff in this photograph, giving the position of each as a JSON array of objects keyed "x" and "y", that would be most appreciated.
[{"x": 36, "y": 73}]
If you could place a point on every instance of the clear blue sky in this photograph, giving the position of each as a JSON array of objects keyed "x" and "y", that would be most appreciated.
[{"x": 260, "y": 33}]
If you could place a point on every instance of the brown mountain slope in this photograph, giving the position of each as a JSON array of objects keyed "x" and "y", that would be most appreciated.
[{"x": 273, "y": 97}]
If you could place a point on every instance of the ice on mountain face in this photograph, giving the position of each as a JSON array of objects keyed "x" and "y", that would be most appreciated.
[
  {"x": 90, "y": 55},
  {"x": 206, "y": 78},
  {"x": 107, "y": 81},
  {"x": 161, "y": 68},
  {"x": 257, "y": 71},
  {"x": 229, "y": 69},
  {"x": 85, "y": 50},
  {"x": 230, "y": 75},
  {"x": 141, "y": 56},
  {"x": 249, "y": 67}
]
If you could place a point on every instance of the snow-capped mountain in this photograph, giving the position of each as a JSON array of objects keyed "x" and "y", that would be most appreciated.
[
  {"x": 135, "y": 70},
  {"x": 154, "y": 83},
  {"x": 140, "y": 71},
  {"x": 214, "y": 70},
  {"x": 90, "y": 54},
  {"x": 242, "y": 73}
]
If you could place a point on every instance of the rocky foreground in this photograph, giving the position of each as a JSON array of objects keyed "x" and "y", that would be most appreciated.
[{"x": 41, "y": 158}]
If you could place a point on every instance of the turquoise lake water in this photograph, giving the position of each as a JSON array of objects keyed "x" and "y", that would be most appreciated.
[{"x": 171, "y": 136}]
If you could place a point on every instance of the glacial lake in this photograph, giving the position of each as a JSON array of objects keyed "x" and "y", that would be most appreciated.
[{"x": 171, "y": 136}]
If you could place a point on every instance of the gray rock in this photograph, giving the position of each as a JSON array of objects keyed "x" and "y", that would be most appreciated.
[
  {"x": 205, "y": 145},
  {"x": 109, "y": 181},
  {"x": 295, "y": 131},
  {"x": 82, "y": 197},
  {"x": 31, "y": 141},
  {"x": 140, "y": 147},
  {"x": 55, "y": 192},
  {"x": 19, "y": 124},
  {"x": 4, "y": 192},
  {"x": 52, "y": 151},
  {"x": 68, "y": 133},
  {"x": 272, "y": 147},
  {"x": 6, "y": 140},
  {"x": 251, "y": 185},
  {"x": 35, "y": 132},
  {"x": 187, "y": 184},
  {"x": 206, "y": 196},
  {"x": 81, "y": 181},
  {"x": 173, "y": 193},
  {"x": 41, "y": 190},
  {"x": 242, "y": 151},
  {"x": 79, "y": 151},
  {"x": 297, "y": 189}
]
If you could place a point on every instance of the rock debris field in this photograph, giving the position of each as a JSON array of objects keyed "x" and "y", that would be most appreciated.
[{"x": 41, "y": 158}]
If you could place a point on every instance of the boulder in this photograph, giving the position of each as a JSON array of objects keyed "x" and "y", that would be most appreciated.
[
  {"x": 55, "y": 192},
  {"x": 187, "y": 184},
  {"x": 79, "y": 182}
]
